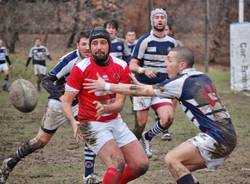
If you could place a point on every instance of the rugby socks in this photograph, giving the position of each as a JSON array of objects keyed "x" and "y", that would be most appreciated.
[
  {"x": 157, "y": 129},
  {"x": 5, "y": 84},
  {"x": 186, "y": 179},
  {"x": 89, "y": 160},
  {"x": 111, "y": 176},
  {"x": 128, "y": 175}
]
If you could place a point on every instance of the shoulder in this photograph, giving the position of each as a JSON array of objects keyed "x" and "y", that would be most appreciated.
[
  {"x": 83, "y": 64},
  {"x": 119, "y": 62},
  {"x": 69, "y": 56}
]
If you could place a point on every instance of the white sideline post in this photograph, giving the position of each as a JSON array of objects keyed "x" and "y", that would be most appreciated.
[{"x": 240, "y": 56}]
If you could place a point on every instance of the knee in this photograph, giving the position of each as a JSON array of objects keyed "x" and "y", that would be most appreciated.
[
  {"x": 170, "y": 161},
  {"x": 119, "y": 164},
  {"x": 143, "y": 168},
  {"x": 166, "y": 121}
]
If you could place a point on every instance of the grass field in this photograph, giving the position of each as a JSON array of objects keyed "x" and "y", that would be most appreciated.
[{"x": 61, "y": 160}]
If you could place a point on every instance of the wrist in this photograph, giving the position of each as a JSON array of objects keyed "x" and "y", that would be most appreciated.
[
  {"x": 141, "y": 70},
  {"x": 107, "y": 86}
]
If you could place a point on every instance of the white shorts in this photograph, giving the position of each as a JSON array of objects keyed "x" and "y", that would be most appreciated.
[
  {"x": 207, "y": 147},
  {"x": 40, "y": 69},
  {"x": 4, "y": 67},
  {"x": 101, "y": 132},
  {"x": 142, "y": 103},
  {"x": 54, "y": 117}
]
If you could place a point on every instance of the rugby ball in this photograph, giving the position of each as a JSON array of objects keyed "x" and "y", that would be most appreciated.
[{"x": 23, "y": 95}]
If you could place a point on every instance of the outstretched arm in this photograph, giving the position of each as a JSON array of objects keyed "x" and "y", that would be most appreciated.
[{"x": 125, "y": 89}]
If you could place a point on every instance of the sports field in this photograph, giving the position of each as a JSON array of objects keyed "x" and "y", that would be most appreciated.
[{"x": 61, "y": 160}]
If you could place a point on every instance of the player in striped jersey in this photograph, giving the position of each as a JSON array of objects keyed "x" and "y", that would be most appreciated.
[
  {"x": 119, "y": 47},
  {"x": 202, "y": 105},
  {"x": 54, "y": 83},
  {"x": 131, "y": 40},
  {"x": 4, "y": 56},
  {"x": 148, "y": 63},
  {"x": 38, "y": 54}
]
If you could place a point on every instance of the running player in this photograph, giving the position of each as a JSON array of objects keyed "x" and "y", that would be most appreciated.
[
  {"x": 38, "y": 54},
  {"x": 4, "y": 56}
]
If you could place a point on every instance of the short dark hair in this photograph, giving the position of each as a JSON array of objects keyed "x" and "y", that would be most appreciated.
[
  {"x": 113, "y": 23},
  {"x": 185, "y": 54},
  {"x": 82, "y": 34}
]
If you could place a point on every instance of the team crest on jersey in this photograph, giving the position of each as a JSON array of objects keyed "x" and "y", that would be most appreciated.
[
  {"x": 119, "y": 47},
  {"x": 116, "y": 77}
]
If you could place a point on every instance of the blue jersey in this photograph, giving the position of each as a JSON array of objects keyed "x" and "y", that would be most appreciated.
[
  {"x": 54, "y": 81},
  {"x": 151, "y": 51},
  {"x": 200, "y": 102},
  {"x": 119, "y": 48}
]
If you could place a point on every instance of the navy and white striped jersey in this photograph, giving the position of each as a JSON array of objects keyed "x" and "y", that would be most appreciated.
[
  {"x": 3, "y": 54},
  {"x": 131, "y": 46},
  {"x": 54, "y": 81},
  {"x": 39, "y": 55},
  {"x": 151, "y": 52},
  {"x": 201, "y": 103},
  {"x": 119, "y": 49}
]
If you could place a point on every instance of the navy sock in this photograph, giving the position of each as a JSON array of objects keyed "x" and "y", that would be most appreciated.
[
  {"x": 155, "y": 130},
  {"x": 89, "y": 161},
  {"x": 186, "y": 179}
]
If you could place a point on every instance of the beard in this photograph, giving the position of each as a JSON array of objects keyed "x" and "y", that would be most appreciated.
[
  {"x": 101, "y": 59},
  {"x": 159, "y": 29}
]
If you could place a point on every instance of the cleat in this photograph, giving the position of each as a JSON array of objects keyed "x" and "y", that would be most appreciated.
[
  {"x": 147, "y": 146},
  {"x": 166, "y": 136},
  {"x": 91, "y": 179},
  {"x": 5, "y": 171}
]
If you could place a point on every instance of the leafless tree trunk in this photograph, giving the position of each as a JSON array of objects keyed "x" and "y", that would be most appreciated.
[{"x": 75, "y": 25}]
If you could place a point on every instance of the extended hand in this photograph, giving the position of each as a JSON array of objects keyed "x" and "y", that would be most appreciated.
[{"x": 94, "y": 85}]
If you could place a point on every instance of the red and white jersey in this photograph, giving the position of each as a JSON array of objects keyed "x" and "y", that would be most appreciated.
[{"x": 116, "y": 72}]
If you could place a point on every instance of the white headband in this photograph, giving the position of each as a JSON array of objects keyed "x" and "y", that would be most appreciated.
[{"x": 158, "y": 11}]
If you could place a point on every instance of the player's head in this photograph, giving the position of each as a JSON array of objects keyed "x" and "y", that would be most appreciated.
[
  {"x": 83, "y": 44},
  {"x": 112, "y": 27},
  {"x": 168, "y": 30},
  {"x": 178, "y": 59},
  {"x": 130, "y": 36},
  {"x": 100, "y": 45},
  {"x": 158, "y": 19},
  {"x": 38, "y": 41}
]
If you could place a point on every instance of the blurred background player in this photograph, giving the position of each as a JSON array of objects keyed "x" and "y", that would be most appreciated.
[
  {"x": 4, "y": 58},
  {"x": 148, "y": 62},
  {"x": 38, "y": 54},
  {"x": 131, "y": 40},
  {"x": 54, "y": 83},
  {"x": 119, "y": 47}
]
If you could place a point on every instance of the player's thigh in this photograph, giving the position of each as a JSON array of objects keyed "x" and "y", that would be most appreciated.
[
  {"x": 54, "y": 117},
  {"x": 187, "y": 154},
  {"x": 134, "y": 154},
  {"x": 111, "y": 154},
  {"x": 141, "y": 117}
]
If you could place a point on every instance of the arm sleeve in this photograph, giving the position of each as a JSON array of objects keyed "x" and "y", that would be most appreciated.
[
  {"x": 75, "y": 80},
  {"x": 170, "y": 88}
]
